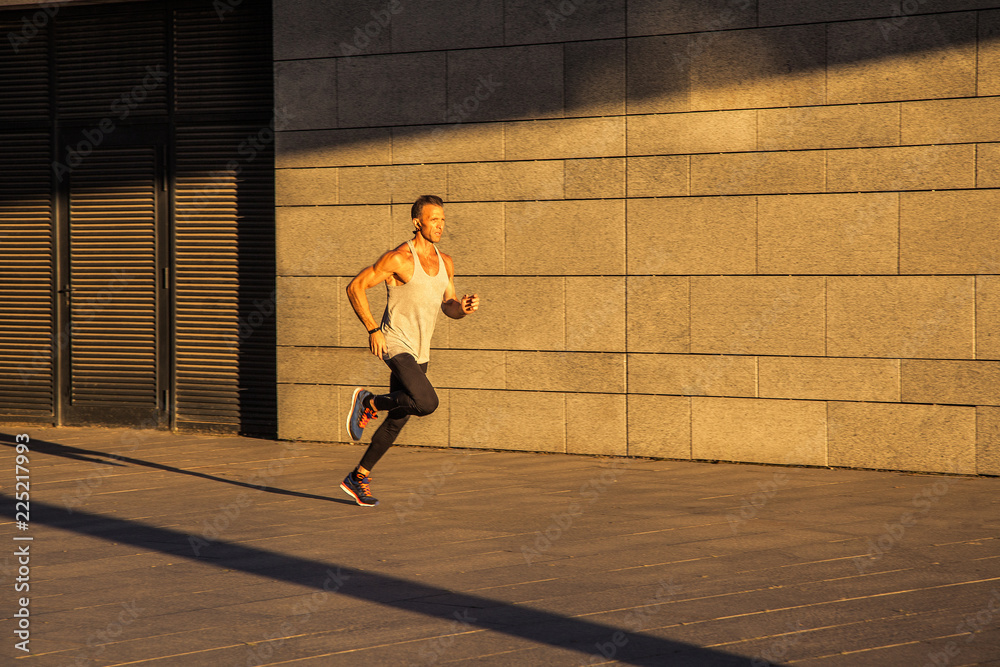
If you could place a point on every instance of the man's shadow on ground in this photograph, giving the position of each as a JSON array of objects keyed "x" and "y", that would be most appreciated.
[{"x": 104, "y": 458}]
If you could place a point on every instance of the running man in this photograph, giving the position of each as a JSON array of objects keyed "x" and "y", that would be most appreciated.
[{"x": 419, "y": 280}]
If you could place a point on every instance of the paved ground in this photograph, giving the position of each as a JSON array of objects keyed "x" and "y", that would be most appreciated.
[{"x": 162, "y": 549}]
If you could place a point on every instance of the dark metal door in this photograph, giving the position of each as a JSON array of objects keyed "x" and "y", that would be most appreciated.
[
  {"x": 114, "y": 327},
  {"x": 92, "y": 328}
]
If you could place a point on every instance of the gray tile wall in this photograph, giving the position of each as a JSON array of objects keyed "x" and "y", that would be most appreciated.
[{"x": 754, "y": 231}]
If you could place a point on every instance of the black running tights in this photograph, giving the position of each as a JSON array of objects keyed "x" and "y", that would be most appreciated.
[{"x": 410, "y": 393}]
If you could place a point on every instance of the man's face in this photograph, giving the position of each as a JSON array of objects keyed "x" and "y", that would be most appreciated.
[{"x": 432, "y": 222}]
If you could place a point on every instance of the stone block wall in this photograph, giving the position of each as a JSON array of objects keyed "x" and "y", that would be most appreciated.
[{"x": 761, "y": 231}]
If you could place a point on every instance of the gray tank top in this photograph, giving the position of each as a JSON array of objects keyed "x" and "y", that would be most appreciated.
[{"x": 411, "y": 310}]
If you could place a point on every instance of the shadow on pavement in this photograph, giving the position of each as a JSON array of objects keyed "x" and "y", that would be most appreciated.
[
  {"x": 99, "y": 457},
  {"x": 541, "y": 627}
]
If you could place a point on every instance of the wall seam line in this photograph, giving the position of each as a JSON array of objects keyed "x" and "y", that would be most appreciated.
[{"x": 625, "y": 198}]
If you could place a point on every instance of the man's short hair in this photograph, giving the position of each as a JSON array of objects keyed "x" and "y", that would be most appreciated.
[{"x": 424, "y": 200}]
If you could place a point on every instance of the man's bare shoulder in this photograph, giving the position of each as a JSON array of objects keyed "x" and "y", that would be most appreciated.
[
  {"x": 394, "y": 258},
  {"x": 448, "y": 263}
]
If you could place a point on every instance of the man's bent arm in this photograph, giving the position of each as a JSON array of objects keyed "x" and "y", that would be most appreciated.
[
  {"x": 451, "y": 306},
  {"x": 456, "y": 309},
  {"x": 368, "y": 278},
  {"x": 359, "y": 299}
]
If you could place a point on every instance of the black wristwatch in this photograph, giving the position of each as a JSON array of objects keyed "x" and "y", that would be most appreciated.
[{"x": 371, "y": 331}]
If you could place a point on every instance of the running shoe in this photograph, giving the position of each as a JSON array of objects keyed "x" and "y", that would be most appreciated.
[
  {"x": 360, "y": 415},
  {"x": 359, "y": 489}
]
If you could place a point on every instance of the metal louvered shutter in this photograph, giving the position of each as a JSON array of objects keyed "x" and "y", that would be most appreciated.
[
  {"x": 24, "y": 70},
  {"x": 225, "y": 332},
  {"x": 112, "y": 271},
  {"x": 226, "y": 370},
  {"x": 112, "y": 63},
  {"x": 27, "y": 221},
  {"x": 137, "y": 223},
  {"x": 222, "y": 61},
  {"x": 26, "y": 275}
]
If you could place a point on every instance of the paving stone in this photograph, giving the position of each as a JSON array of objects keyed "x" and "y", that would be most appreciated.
[
  {"x": 379, "y": 90},
  {"x": 932, "y": 239},
  {"x": 332, "y": 148},
  {"x": 989, "y": 53},
  {"x": 901, "y": 168},
  {"x": 901, "y": 316},
  {"x": 659, "y": 17},
  {"x": 764, "y": 67},
  {"x": 417, "y": 24},
  {"x": 594, "y": 78},
  {"x": 828, "y": 234},
  {"x": 658, "y": 74},
  {"x": 514, "y": 82},
  {"x": 564, "y": 138},
  {"x": 530, "y": 22},
  {"x": 931, "y": 56},
  {"x": 780, "y": 315},
  {"x": 691, "y": 235},
  {"x": 595, "y": 178},
  {"x": 638, "y": 546},
  {"x": 834, "y": 126}
]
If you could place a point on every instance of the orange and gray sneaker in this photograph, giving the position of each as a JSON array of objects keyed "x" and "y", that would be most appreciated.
[
  {"x": 362, "y": 411},
  {"x": 358, "y": 486}
]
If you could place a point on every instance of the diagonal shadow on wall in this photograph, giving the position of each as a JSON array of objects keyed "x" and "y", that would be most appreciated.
[{"x": 425, "y": 69}]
